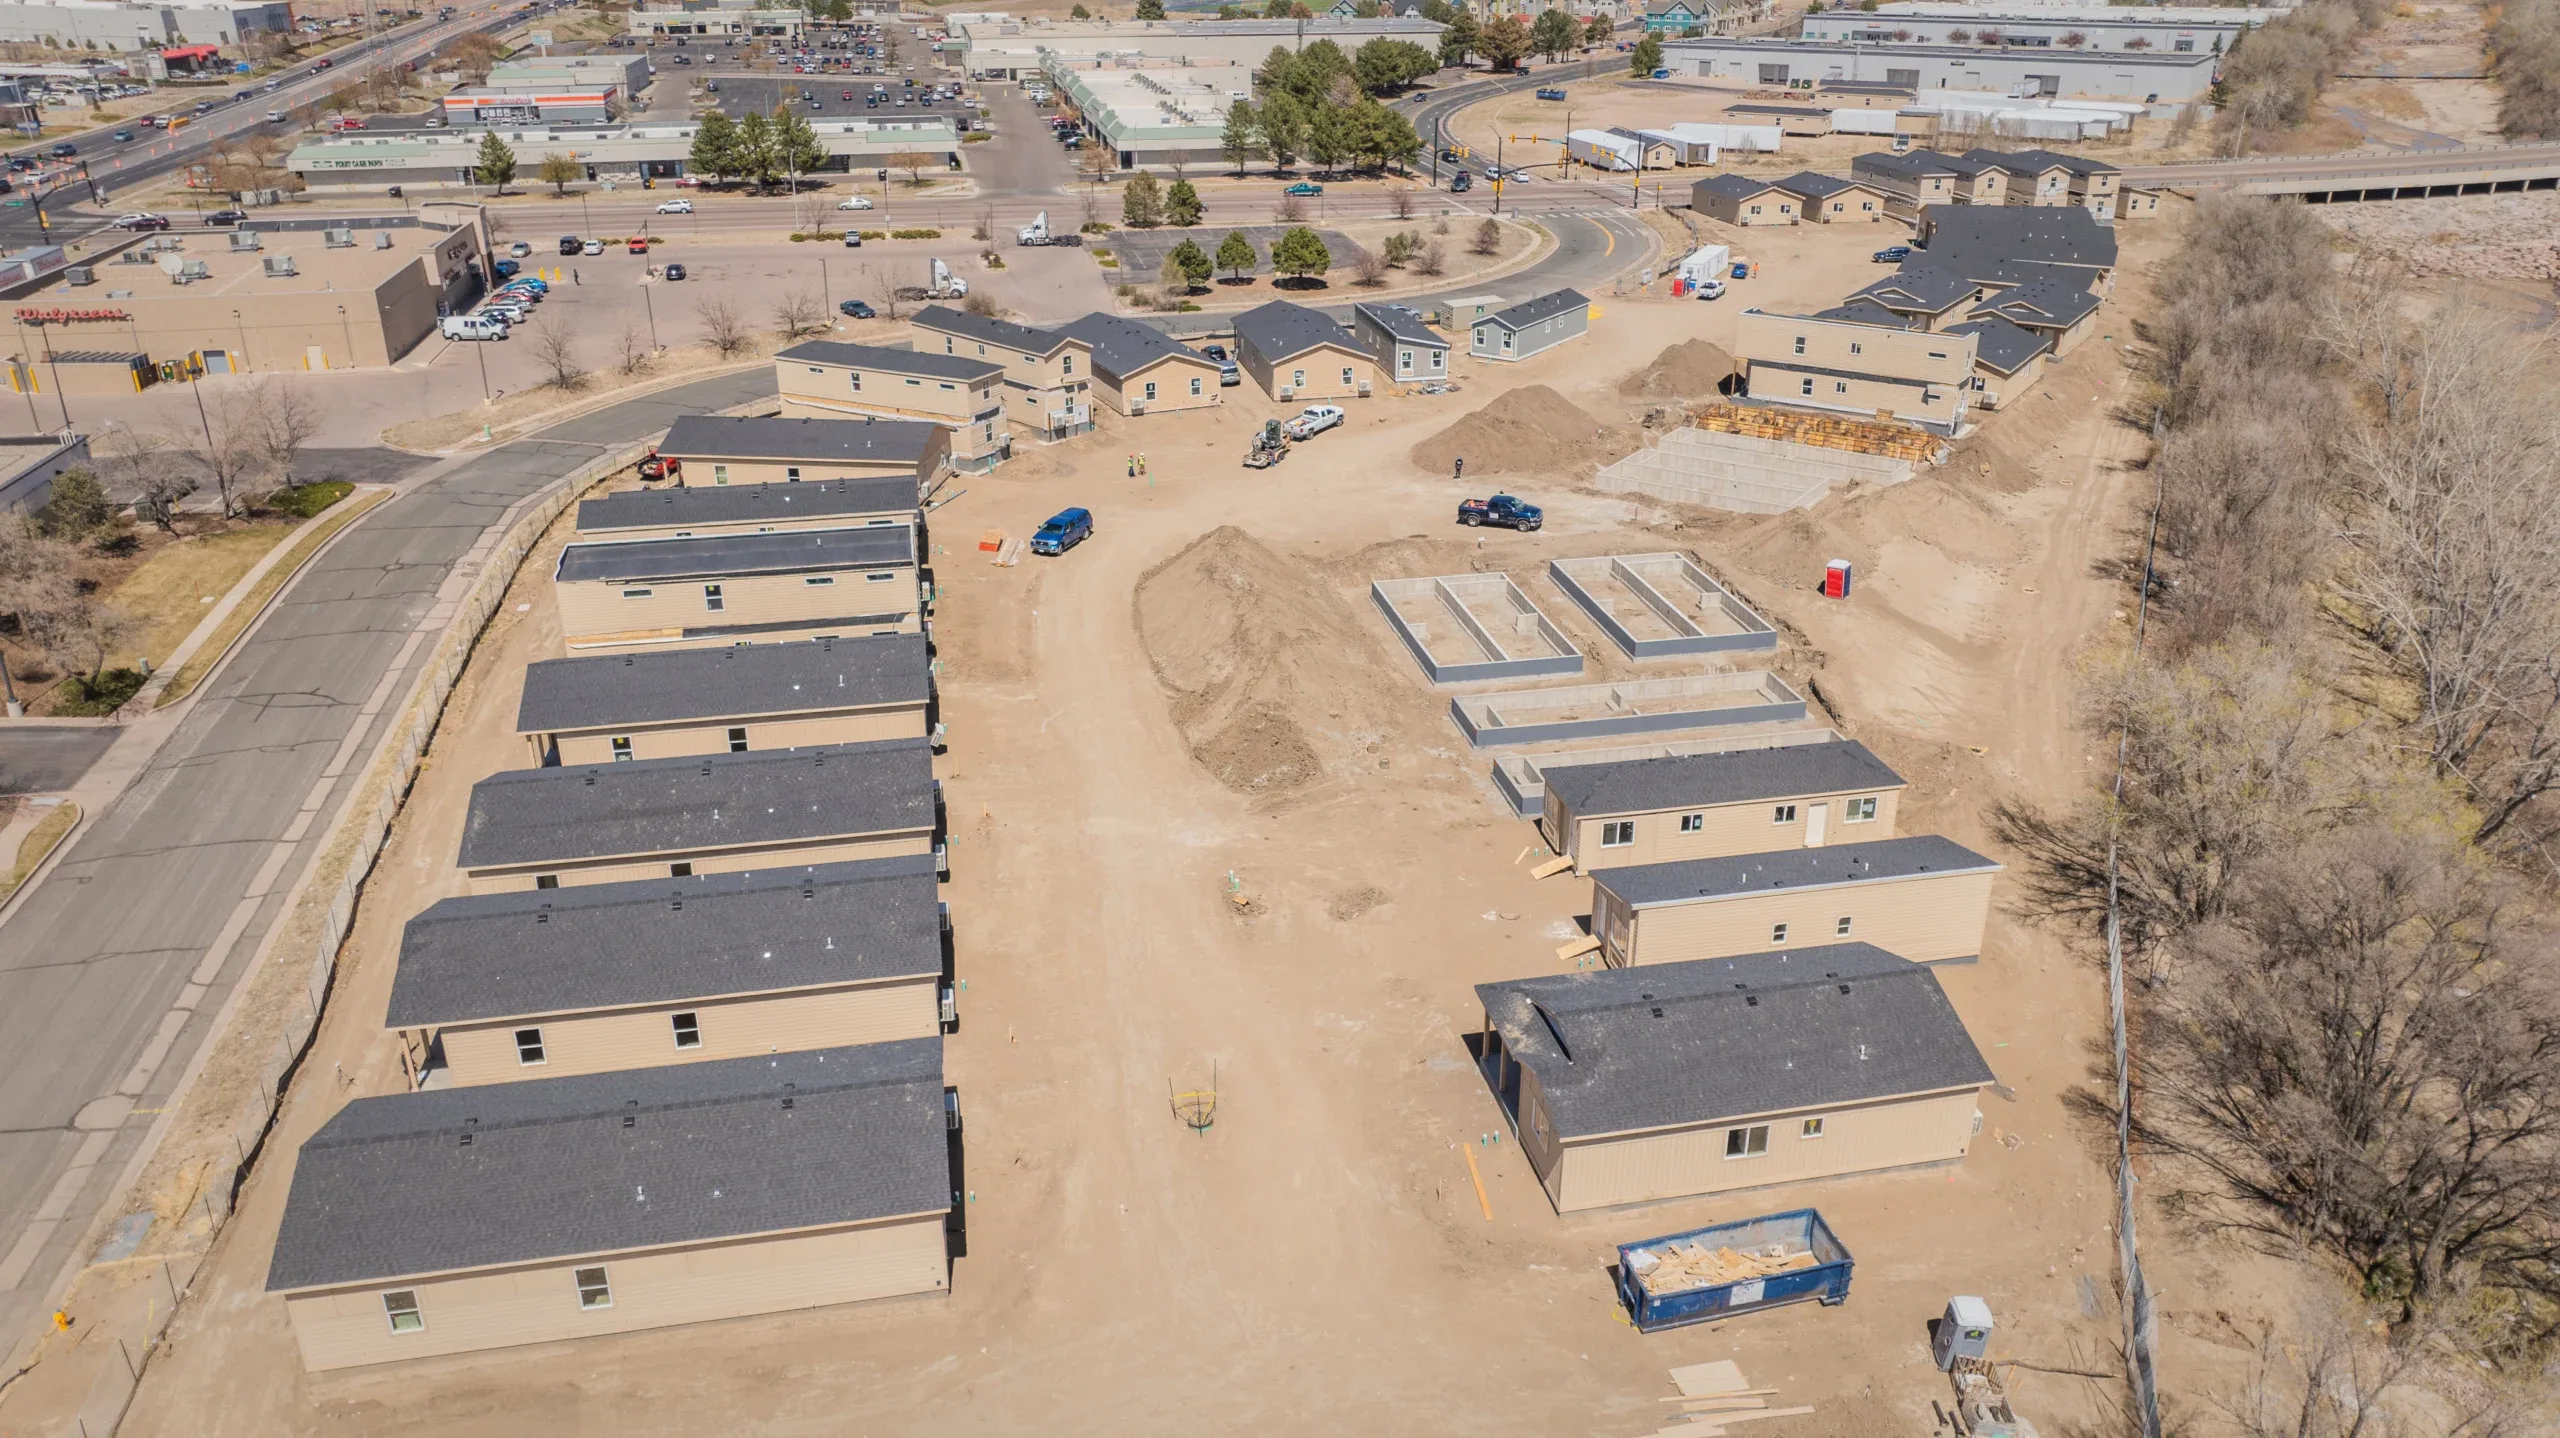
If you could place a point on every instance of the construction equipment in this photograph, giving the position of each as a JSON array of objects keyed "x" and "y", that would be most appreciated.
[
  {"x": 656, "y": 467},
  {"x": 1270, "y": 446}
]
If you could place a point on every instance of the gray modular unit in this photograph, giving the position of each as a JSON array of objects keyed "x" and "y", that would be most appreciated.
[
  {"x": 1521, "y": 779},
  {"x": 1654, "y": 606},
  {"x": 1530, "y": 327},
  {"x": 1633, "y": 706},
  {"x": 1492, "y": 630}
]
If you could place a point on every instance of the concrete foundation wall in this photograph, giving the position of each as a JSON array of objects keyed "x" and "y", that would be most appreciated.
[
  {"x": 1654, "y": 606},
  {"x": 1638, "y": 706},
  {"x": 1743, "y": 473},
  {"x": 1468, "y": 627}
]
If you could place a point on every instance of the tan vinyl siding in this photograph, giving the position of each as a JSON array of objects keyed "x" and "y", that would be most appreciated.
[
  {"x": 1536, "y": 1133},
  {"x": 773, "y": 525},
  {"x": 539, "y": 1304},
  {"x": 711, "y": 470},
  {"x": 1990, "y": 187},
  {"x": 515, "y": 878},
  {"x": 730, "y": 1028},
  {"x": 1846, "y": 205},
  {"x": 711, "y": 736},
  {"x": 1173, "y": 379},
  {"x": 1730, "y": 829},
  {"x": 1924, "y": 919},
  {"x": 1317, "y": 374},
  {"x": 1854, "y": 368},
  {"x": 1680, "y": 1163},
  {"x": 2044, "y": 189},
  {"x": 590, "y": 608}
]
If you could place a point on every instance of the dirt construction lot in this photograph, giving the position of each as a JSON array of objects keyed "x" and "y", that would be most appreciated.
[{"x": 1201, "y": 698}]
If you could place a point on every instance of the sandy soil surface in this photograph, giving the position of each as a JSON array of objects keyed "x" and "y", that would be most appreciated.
[
  {"x": 1200, "y": 701},
  {"x": 2412, "y": 113},
  {"x": 2501, "y": 237}
]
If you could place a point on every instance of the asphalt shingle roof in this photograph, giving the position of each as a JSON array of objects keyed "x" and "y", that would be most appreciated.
[
  {"x": 1021, "y": 339},
  {"x": 2041, "y": 302},
  {"x": 389, "y": 1188},
  {"x": 1967, "y": 237},
  {"x": 1730, "y": 777},
  {"x": 1688, "y": 880},
  {"x": 652, "y": 941},
  {"x": 844, "y": 441},
  {"x": 1125, "y": 346},
  {"x": 1860, "y": 311},
  {"x": 2001, "y": 344},
  {"x": 1404, "y": 325},
  {"x": 1919, "y": 285},
  {"x": 1807, "y": 185},
  {"x": 888, "y": 360},
  {"x": 657, "y": 806},
  {"x": 1732, "y": 187},
  {"x": 1908, "y": 166},
  {"x": 1546, "y": 306},
  {"x": 733, "y": 681},
  {"x": 1279, "y": 330},
  {"x": 709, "y": 556},
  {"x": 1663, "y": 1044},
  {"x": 734, "y": 504}
]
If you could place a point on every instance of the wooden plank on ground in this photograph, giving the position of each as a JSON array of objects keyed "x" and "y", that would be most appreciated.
[
  {"x": 1568, "y": 952},
  {"x": 1770, "y": 1413},
  {"x": 1710, "y": 1380},
  {"x": 1552, "y": 867}
]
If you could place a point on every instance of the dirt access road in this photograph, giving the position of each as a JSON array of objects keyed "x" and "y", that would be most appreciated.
[{"x": 1202, "y": 692}]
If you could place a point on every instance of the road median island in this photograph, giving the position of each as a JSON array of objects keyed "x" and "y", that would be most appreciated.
[{"x": 39, "y": 845}]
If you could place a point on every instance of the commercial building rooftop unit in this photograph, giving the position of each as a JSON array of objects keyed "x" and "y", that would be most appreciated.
[
  {"x": 678, "y": 702},
  {"x": 1626, "y": 706},
  {"x": 719, "y": 813},
  {"x": 472, "y": 1218},
  {"x": 2146, "y": 75},
  {"x": 680, "y": 511},
  {"x": 1638, "y": 1084},
  {"x": 1493, "y": 630},
  {"x": 500, "y": 988},
  {"x": 1655, "y": 606}
]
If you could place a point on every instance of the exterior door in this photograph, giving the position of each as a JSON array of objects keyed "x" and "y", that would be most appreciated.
[{"x": 1815, "y": 819}]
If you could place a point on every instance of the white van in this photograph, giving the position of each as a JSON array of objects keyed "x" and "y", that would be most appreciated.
[{"x": 473, "y": 327}]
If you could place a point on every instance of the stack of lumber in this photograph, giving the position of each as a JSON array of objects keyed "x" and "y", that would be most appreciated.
[
  {"x": 1714, "y": 1395},
  {"x": 1861, "y": 436},
  {"x": 1684, "y": 1266}
]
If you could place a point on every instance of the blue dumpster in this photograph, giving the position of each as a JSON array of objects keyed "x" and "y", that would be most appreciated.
[{"x": 1670, "y": 1281}]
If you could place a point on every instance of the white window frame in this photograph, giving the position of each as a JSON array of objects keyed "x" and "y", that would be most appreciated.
[
  {"x": 1748, "y": 1141},
  {"x": 407, "y": 1307},
  {"x": 737, "y": 738},
  {"x": 620, "y": 744},
  {"x": 1617, "y": 833},
  {"x": 1783, "y": 814},
  {"x": 1861, "y": 810},
  {"x": 1810, "y": 1128},
  {"x": 686, "y": 1029},
  {"x": 531, "y": 1052},
  {"x": 714, "y": 599},
  {"x": 1693, "y": 823},
  {"x": 1840, "y": 929},
  {"x": 595, "y": 1287},
  {"x": 1777, "y": 933}
]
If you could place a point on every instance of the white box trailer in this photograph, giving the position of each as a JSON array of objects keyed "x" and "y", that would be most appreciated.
[
  {"x": 1760, "y": 139},
  {"x": 1603, "y": 150},
  {"x": 1863, "y": 122},
  {"x": 1707, "y": 262}
]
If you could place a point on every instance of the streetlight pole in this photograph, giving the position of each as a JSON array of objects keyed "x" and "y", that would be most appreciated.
[{"x": 652, "y": 307}]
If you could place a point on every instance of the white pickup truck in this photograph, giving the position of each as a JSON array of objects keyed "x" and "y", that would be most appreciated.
[{"x": 1314, "y": 420}]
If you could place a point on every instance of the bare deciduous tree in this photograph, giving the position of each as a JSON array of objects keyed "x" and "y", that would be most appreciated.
[
  {"x": 2323, "y": 1375},
  {"x": 721, "y": 327},
  {"x": 798, "y": 312},
  {"x": 56, "y": 613},
  {"x": 631, "y": 349},
  {"x": 227, "y": 445},
  {"x": 555, "y": 348},
  {"x": 983, "y": 229},
  {"x": 1291, "y": 210},
  {"x": 1369, "y": 267},
  {"x": 1432, "y": 258},
  {"x": 138, "y": 472},
  {"x": 877, "y": 280},
  {"x": 288, "y": 419},
  {"x": 1400, "y": 202}
]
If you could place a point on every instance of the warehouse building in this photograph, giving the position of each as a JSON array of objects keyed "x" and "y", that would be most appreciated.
[
  {"x": 1153, "y": 116},
  {"x": 684, "y": 512},
  {"x": 1701, "y": 806},
  {"x": 295, "y": 295},
  {"x": 1741, "y": 200},
  {"x": 686, "y": 20},
  {"x": 734, "y": 699},
  {"x": 1531, "y": 327},
  {"x": 824, "y": 379},
  {"x": 738, "y": 589},
  {"x": 424, "y": 1224},
  {"x": 1296, "y": 353},
  {"x": 502, "y": 988},
  {"x": 1139, "y": 369},
  {"x": 2040, "y": 29},
  {"x": 2151, "y": 77},
  {"x": 1405, "y": 350},
  {"x": 718, "y": 814},
  {"x": 1047, "y": 373},
  {"x": 624, "y": 153},
  {"x": 1006, "y": 47},
  {"x": 1923, "y": 897},
  {"x": 131, "y": 28},
  {"x": 720, "y": 449},
  {"x": 1675, "y": 1080},
  {"x": 1849, "y": 365}
]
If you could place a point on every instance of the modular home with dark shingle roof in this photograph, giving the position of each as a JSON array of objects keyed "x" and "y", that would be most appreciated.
[
  {"x": 1830, "y": 200},
  {"x": 2008, "y": 360},
  {"x": 501, "y": 988},
  {"x": 825, "y": 379},
  {"x": 1674, "y": 1080},
  {"x": 1296, "y": 353},
  {"x": 720, "y": 449},
  {"x": 1532, "y": 326},
  {"x": 1406, "y": 350},
  {"x": 671, "y": 704},
  {"x": 1704, "y": 806},
  {"x": 1139, "y": 369},
  {"x": 694, "y": 511},
  {"x": 1923, "y": 897},
  {"x": 717, "y": 814},
  {"x": 1741, "y": 200},
  {"x": 465, "y": 1219},
  {"x": 1926, "y": 297},
  {"x": 2060, "y": 310},
  {"x": 737, "y": 588},
  {"x": 1048, "y": 374}
]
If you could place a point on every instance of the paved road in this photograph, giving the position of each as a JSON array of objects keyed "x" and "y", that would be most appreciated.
[
  {"x": 47, "y": 758},
  {"x": 2376, "y": 167},
  {"x": 102, "y": 953}
]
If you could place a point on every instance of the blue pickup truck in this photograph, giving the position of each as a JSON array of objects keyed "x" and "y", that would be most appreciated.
[
  {"x": 1064, "y": 531},
  {"x": 1501, "y": 510},
  {"x": 1552, "y": 92}
]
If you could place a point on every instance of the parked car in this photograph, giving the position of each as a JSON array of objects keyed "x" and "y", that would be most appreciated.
[
  {"x": 675, "y": 272},
  {"x": 1551, "y": 92},
  {"x": 1228, "y": 373},
  {"x": 520, "y": 249},
  {"x": 857, "y": 310},
  {"x": 530, "y": 282},
  {"x": 1304, "y": 188},
  {"x": 506, "y": 269},
  {"x": 1893, "y": 254},
  {"x": 858, "y": 202},
  {"x": 571, "y": 244},
  {"x": 142, "y": 221},
  {"x": 853, "y": 239},
  {"x": 639, "y": 246},
  {"x": 1710, "y": 289},
  {"x": 472, "y": 327},
  {"x": 276, "y": 117},
  {"x": 675, "y": 207},
  {"x": 1502, "y": 510},
  {"x": 1064, "y": 531},
  {"x": 592, "y": 247},
  {"x": 1314, "y": 420}
]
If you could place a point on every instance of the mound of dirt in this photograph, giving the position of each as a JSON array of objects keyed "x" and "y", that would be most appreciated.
[
  {"x": 1274, "y": 684},
  {"x": 1690, "y": 369},
  {"x": 1528, "y": 431}
]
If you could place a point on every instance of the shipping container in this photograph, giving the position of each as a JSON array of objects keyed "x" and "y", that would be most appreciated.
[{"x": 1774, "y": 1259}]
